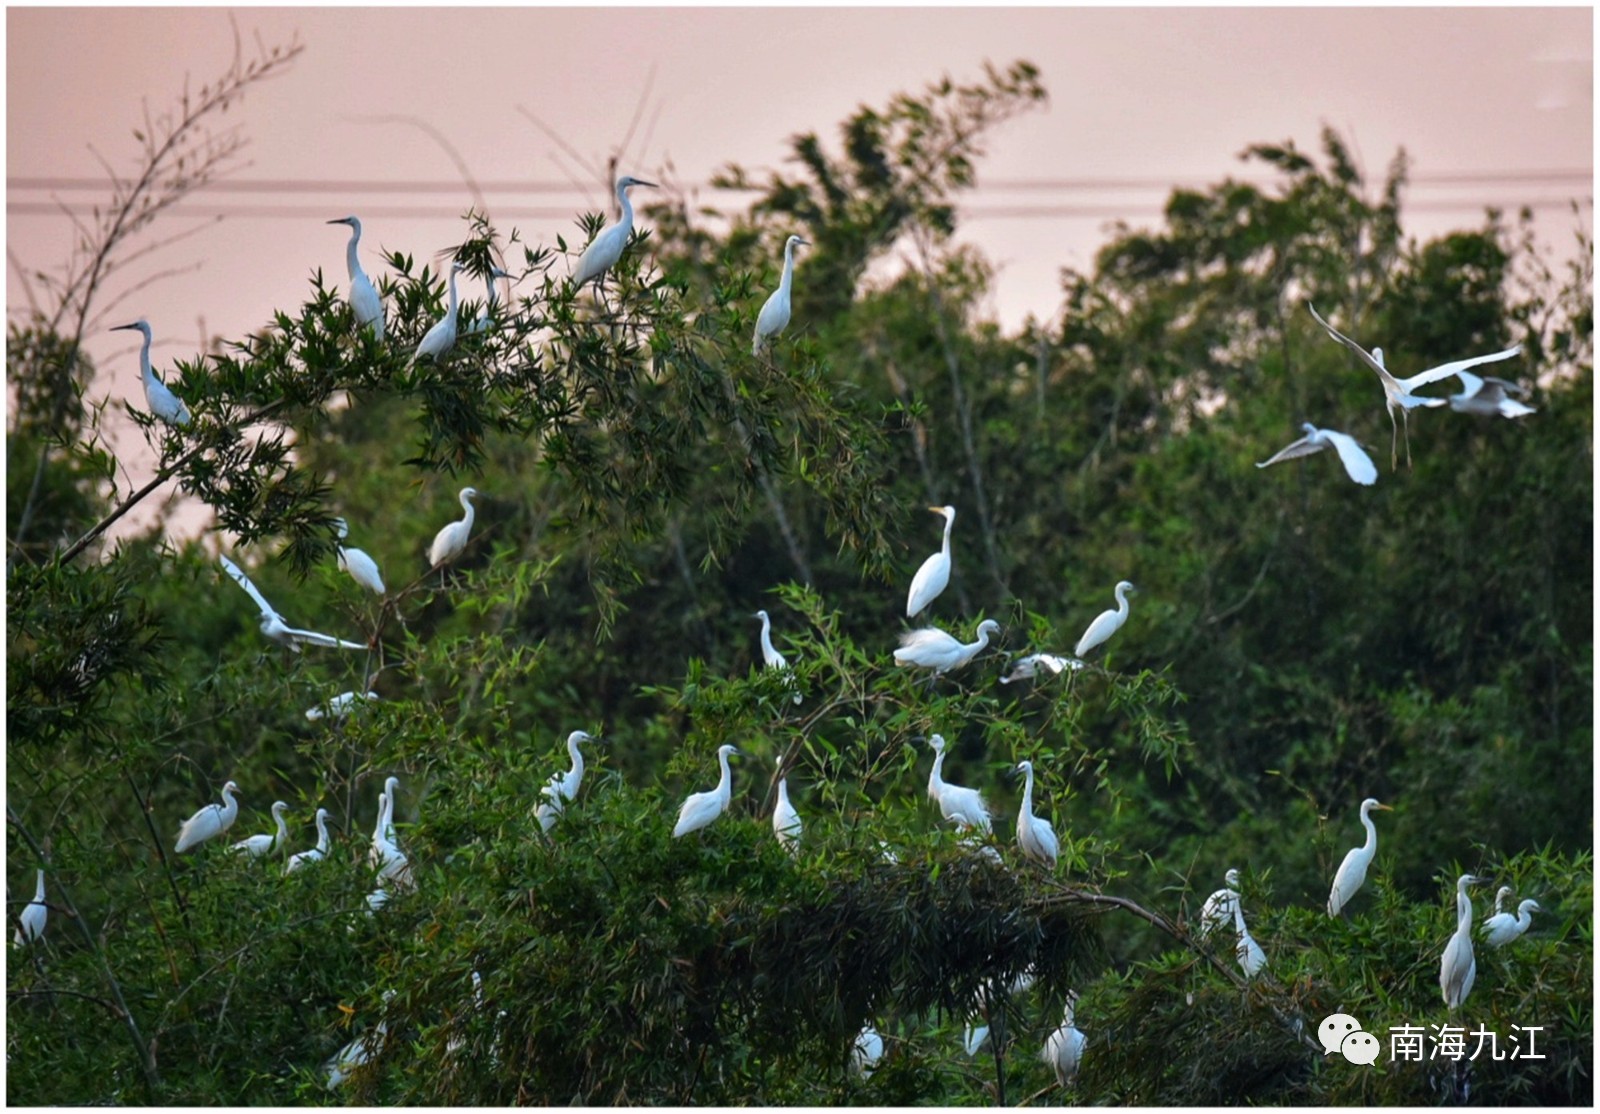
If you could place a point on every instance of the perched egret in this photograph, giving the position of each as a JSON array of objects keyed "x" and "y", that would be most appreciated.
[
  {"x": 258, "y": 845},
  {"x": 485, "y": 320},
  {"x": 357, "y": 1052},
  {"x": 395, "y": 868},
  {"x": 866, "y": 1052},
  {"x": 774, "y": 315},
  {"x": 272, "y": 624},
  {"x": 1502, "y": 928},
  {"x": 702, "y": 808},
  {"x": 1108, "y": 622},
  {"x": 1251, "y": 958},
  {"x": 1063, "y": 1049},
  {"x": 1488, "y": 397},
  {"x": 340, "y": 706},
  {"x": 1218, "y": 909},
  {"x": 1399, "y": 394},
  {"x": 785, "y": 820},
  {"x": 362, "y": 569},
  {"x": 1034, "y": 834},
  {"x": 934, "y": 575},
  {"x": 382, "y": 848},
  {"x": 317, "y": 853},
  {"x": 563, "y": 787},
  {"x": 1500, "y": 896},
  {"x": 1458, "y": 967},
  {"x": 771, "y": 655},
  {"x": 931, "y": 648},
  {"x": 1024, "y": 668},
  {"x": 210, "y": 821},
  {"x": 391, "y": 789},
  {"x": 451, "y": 539},
  {"x": 1352, "y": 871},
  {"x": 1357, "y": 464},
  {"x": 157, "y": 396},
  {"x": 33, "y": 916},
  {"x": 956, "y": 803},
  {"x": 606, "y": 248},
  {"x": 442, "y": 336},
  {"x": 364, "y": 298}
]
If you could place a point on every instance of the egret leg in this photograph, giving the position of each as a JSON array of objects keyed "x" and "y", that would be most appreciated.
[{"x": 1394, "y": 442}]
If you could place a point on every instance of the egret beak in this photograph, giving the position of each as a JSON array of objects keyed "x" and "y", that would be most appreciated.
[
  {"x": 937, "y": 510},
  {"x": 803, "y": 242},
  {"x": 340, "y": 220},
  {"x": 119, "y": 328},
  {"x": 1382, "y": 808}
]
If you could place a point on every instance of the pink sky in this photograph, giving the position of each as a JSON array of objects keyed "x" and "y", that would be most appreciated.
[{"x": 1163, "y": 96}]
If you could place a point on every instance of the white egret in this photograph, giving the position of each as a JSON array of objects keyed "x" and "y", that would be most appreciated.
[
  {"x": 956, "y": 803},
  {"x": 381, "y": 849},
  {"x": 485, "y": 320},
  {"x": 272, "y": 624},
  {"x": 1399, "y": 394},
  {"x": 33, "y": 916},
  {"x": 563, "y": 787},
  {"x": 1488, "y": 397},
  {"x": 1251, "y": 958},
  {"x": 772, "y": 656},
  {"x": 259, "y": 845},
  {"x": 1352, "y": 872},
  {"x": 441, "y": 337},
  {"x": 1458, "y": 967},
  {"x": 785, "y": 820},
  {"x": 210, "y": 821},
  {"x": 376, "y": 900},
  {"x": 1108, "y": 622},
  {"x": 391, "y": 789},
  {"x": 1026, "y": 667},
  {"x": 1502, "y": 928},
  {"x": 157, "y": 396},
  {"x": 1218, "y": 909},
  {"x": 774, "y": 315},
  {"x": 606, "y": 248},
  {"x": 364, "y": 298},
  {"x": 396, "y": 867},
  {"x": 1357, "y": 464},
  {"x": 357, "y": 1052},
  {"x": 934, "y": 575},
  {"x": 1034, "y": 834},
  {"x": 451, "y": 539},
  {"x": 317, "y": 853},
  {"x": 973, "y": 1036},
  {"x": 1063, "y": 1049},
  {"x": 1500, "y": 896},
  {"x": 362, "y": 568},
  {"x": 702, "y": 808},
  {"x": 340, "y": 706},
  {"x": 866, "y": 1052},
  {"x": 931, "y": 648}
]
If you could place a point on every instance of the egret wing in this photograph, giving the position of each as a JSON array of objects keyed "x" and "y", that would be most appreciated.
[
  {"x": 1455, "y": 367},
  {"x": 1303, "y": 447},
  {"x": 1366, "y": 357},
  {"x": 243, "y": 581},
  {"x": 1356, "y": 462},
  {"x": 311, "y": 637}
]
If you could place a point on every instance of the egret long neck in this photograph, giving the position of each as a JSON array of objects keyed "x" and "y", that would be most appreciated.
[
  {"x": 1122, "y": 601},
  {"x": 787, "y": 281},
  {"x": 766, "y": 636},
  {"x": 352, "y": 261},
  {"x": 626, "y": 220},
  {"x": 38, "y": 892},
  {"x": 466, "y": 505},
  {"x": 1369, "y": 848},
  {"x": 725, "y": 782},
  {"x": 949, "y": 524},
  {"x": 577, "y": 758},
  {"x": 322, "y": 832},
  {"x": 452, "y": 311},
  {"x": 383, "y": 809},
  {"x": 1027, "y": 791},
  {"x": 144, "y": 359},
  {"x": 936, "y": 777}
]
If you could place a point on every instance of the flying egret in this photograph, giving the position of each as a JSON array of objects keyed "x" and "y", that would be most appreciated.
[
  {"x": 33, "y": 916},
  {"x": 1487, "y": 396},
  {"x": 1063, "y": 1049},
  {"x": 956, "y": 803},
  {"x": 931, "y": 648},
  {"x": 606, "y": 248},
  {"x": 1399, "y": 394},
  {"x": 340, "y": 706},
  {"x": 1352, "y": 871},
  {"x": 563, "y": 787},
  {"x": 1357, "y": 464},
  {"x": 774, "y": 315},
  {"x": 364, "y": 298},
  {"x": 451, "y": 539},
  {"x": 1251, "y": 958},
  {"x": 1108, "y": 622},
  {"x": 934, "y": 575},
  {"x": 1502, "y": 928},
  {"x": 442, "y": 336},
  {"x": 317, "y": 853},
  {"x": 785, "y": 820},
  {"x": 1218, "y": 909},
  {"x": 357, "y": 1052},
  {"x": 771, "y": 655},
  {"x": 1034, "y": 834},
  {"x": 866, "y": 1052},
  {"x": 157, "y": 396},
  {"x": 259, "y": 845},
  {"x": 1024, "y": 668},
  {"x": 1458, "y": 967},
  {"x": 485, "y": 320},
  {"x": 702, "y": 808},
  {"x": 362, "y": 568},
  {"x": 210, "y": 821},
  {"x": 272, "y": 624}
]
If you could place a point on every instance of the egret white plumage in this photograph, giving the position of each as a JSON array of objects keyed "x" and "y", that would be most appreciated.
[
  {"x": 1063, "y": 1049},
  {"x": 1352, "y": 872},
  {"x": 485, "y": 319},
  {"x": 973, "y": 1036},
  {"x": 273, "y": 625},
  {"x": 394, "y": 868},
  {"x": 931, "y": 648},
  {"x": 866, "y": 1052},
  {"x": 774, "y": 315},
  {"x": 441, "y": 337},
  {"x": 1500, "y": 896},
  {"x": 357, "y": 1052},
  {"x": 259, "y": 845},
  {"x": 1025, "y": 667},
  {"x": 785, "y": 820},
  {"x": 1251, "y": 958},
  {"x": 702, "y": 808},
  {"x": 451, "y": 539},
  {"x": 158, "y": 397},
  {"x": 1399, "y": 394},
  {"x": 606, "y": 248},
  {"x": 391, "y": 790},
  {"x": 1034, "y": 834},
  {"x": 1502, "y": 928},
  {"x": 963, "y": 806},
  {"x": 376, "y": 900},
  {"x": 32, "y": 919},
  {"x": 934, "y": 575},
  {"x": 1357, "y": 464},
  {"x": 209, "y": 822},
  {"x": 317, "y": 853},
  {"x": 563, "y": 787},
  {"x": 362, "y": 568},
  {"x": 1458, "y": 967},
  {"x": 1489, "y": 396},
  {"x": 771, "y": 655},
  {"x": 1218, "y": 909},
  {"x": 364, "y": 300},
  {"x": 340, "y": 706},
  {"x": 1108, "y": 622}
]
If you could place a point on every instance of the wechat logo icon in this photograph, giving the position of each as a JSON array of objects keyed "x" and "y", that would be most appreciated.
[{"x": 1339, "y": 1032}]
